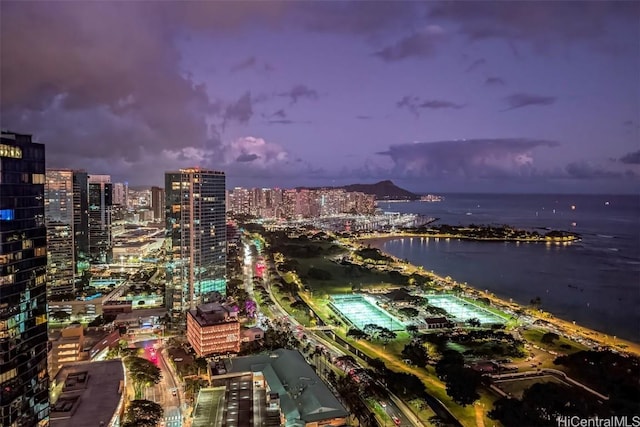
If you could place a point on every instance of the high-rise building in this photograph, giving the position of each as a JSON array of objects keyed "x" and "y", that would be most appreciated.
[
  {"x": 121, "y": 194},
  {"x": 66, "y": 206},
  {"x": 24, "y": 382},
  {"x": 158, "y": 203},
  {"x": 196, "y": 221},
  {"x": 213, "y": 329},
  {"x": 100, "y": 209}
]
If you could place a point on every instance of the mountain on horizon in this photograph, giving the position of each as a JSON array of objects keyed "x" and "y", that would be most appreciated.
[{"x": 383, "y": 190}]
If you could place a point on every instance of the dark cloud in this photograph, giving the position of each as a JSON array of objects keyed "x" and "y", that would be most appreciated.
[
  {"x": 475, "y": 64},
  {"x": 586, "y": 170},
  {"x": 358, "y": 18},
  {"x": 300, "y": 92},
  {"x": 542, "y": 24},
  {"x": 98, "y": 79},
  {"x": 251, "y": 63},
  {"x": 476, "y": 158},
  {"x": 414, "y": 104},
  {"x": 242, "y": 65},
  {"x": 418, "y": 45},
  {"x": 438, "y": 104},
  {"x": 287, "y": 122},
  {"x": 280, "y": 114},
  {"x": 632, "y": 158},
  {"x": 519, "y": 100},
  {"x": 240, "y": 111},
  {"x": 246, "y": 157},
  {"x": 494, "y": 81}
]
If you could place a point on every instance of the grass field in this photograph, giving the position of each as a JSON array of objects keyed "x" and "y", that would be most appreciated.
[
  {"x": 516, "y": 387},
  {"x": 535, "y": 336},
  {"x": 343, "y": 277}
]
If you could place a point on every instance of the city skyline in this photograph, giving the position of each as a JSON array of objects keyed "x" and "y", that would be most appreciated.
[{"x": 438, "y": 97}]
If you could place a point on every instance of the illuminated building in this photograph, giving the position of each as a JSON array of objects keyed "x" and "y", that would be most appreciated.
[
  {"x": 68, "y": 348},
  {"x": 158, "y": 203},
  {"x": 100, "y": 209},
  {"x": 196, "y": 222},
  {"x": 24, "y": 383},
  {"x": 213, "y": 329},
  {"x": 66, "y": 215}
]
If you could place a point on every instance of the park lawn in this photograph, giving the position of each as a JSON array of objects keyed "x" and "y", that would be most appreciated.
[
  {"x": 342, "y": 281},
  {"x": 517, "y": 387},
  {"x": 422, "y": 410},
  {"x": 534, "y": 336},
  {"x": 283, "y": 299}
]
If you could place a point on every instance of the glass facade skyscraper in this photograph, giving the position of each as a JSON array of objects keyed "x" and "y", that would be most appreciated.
[
  {"x": 100, "y": 210},
  {"x": 66, "y": 215},
  {"x": 196, "y": 223},
  {"x": 24, "y": 383}
]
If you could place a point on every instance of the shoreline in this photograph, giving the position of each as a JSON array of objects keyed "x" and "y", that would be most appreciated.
[{"x": 567, "y": 327}]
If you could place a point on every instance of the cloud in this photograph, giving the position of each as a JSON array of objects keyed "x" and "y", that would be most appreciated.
[
  {"x": 280, "y": 114},
  {"x": 422, "y": 44},
  {"x": 543, "y": 25},
  {"x": 244, "y": 157},
  {"x": 243, "y": 65},
  {"x": 98, "y": 79},
  {"x": 494, "y": 81},
  {"x": 438, "y": 104},
  {"x": 519, "y": 100},
  {"x": 251, "y": 63},
  {"x": 300, "y": 92},
  {"x": 475, "y": 158},
  {"x": 240, "y": 111},
  {"x": 588, "y": 170},
  {"x": 370, "y": 18},
  {"x": 414, "y": 104},
  {"x": 475, "y": 64},
  {"x": 632, "y": 158}
]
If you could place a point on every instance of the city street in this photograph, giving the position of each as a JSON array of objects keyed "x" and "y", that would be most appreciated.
[{"x": 168, "y": 392}]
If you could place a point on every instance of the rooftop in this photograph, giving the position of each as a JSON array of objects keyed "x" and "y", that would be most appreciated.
[
  {"x": 213, "y": 313},
  {"x": 86, "y": 393},
  {"x": 302, "y": 393}
]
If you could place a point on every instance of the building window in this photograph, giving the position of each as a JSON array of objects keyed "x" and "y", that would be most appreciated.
[{"x": 6, "y": 215}]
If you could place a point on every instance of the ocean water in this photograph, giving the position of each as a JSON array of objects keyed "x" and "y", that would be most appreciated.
[{"x": 594, "y": 282}]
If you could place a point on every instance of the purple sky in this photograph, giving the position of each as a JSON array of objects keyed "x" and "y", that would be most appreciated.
[{"x": 455, "y": 96}]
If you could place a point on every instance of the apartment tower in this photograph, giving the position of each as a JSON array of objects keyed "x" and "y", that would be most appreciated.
[
  {"x": 195, "y": 220},
  {"x": 66, "y": 215},
  {"x": 100, "y": 210},
  {"x": 24, "y": 382}
]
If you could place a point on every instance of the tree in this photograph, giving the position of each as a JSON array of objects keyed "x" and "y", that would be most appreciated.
[
  {"x": 142, "y": 372},
  {"x": 474, "y": 322},
  {"x": 143, "y": 413},
  {"x": 356, "y": 333},
  {"x": 462, "y": 385},
  {"x": 413, "y": 330},
  {"x": 416, "y": 353},
  {"x": 536, "y": 302},
  {"x": 409, "y": 311},
  {"x": 386, "y": 335},
  {"x": 60, "y": 315},
  {"x": 549, "y": 337}
]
